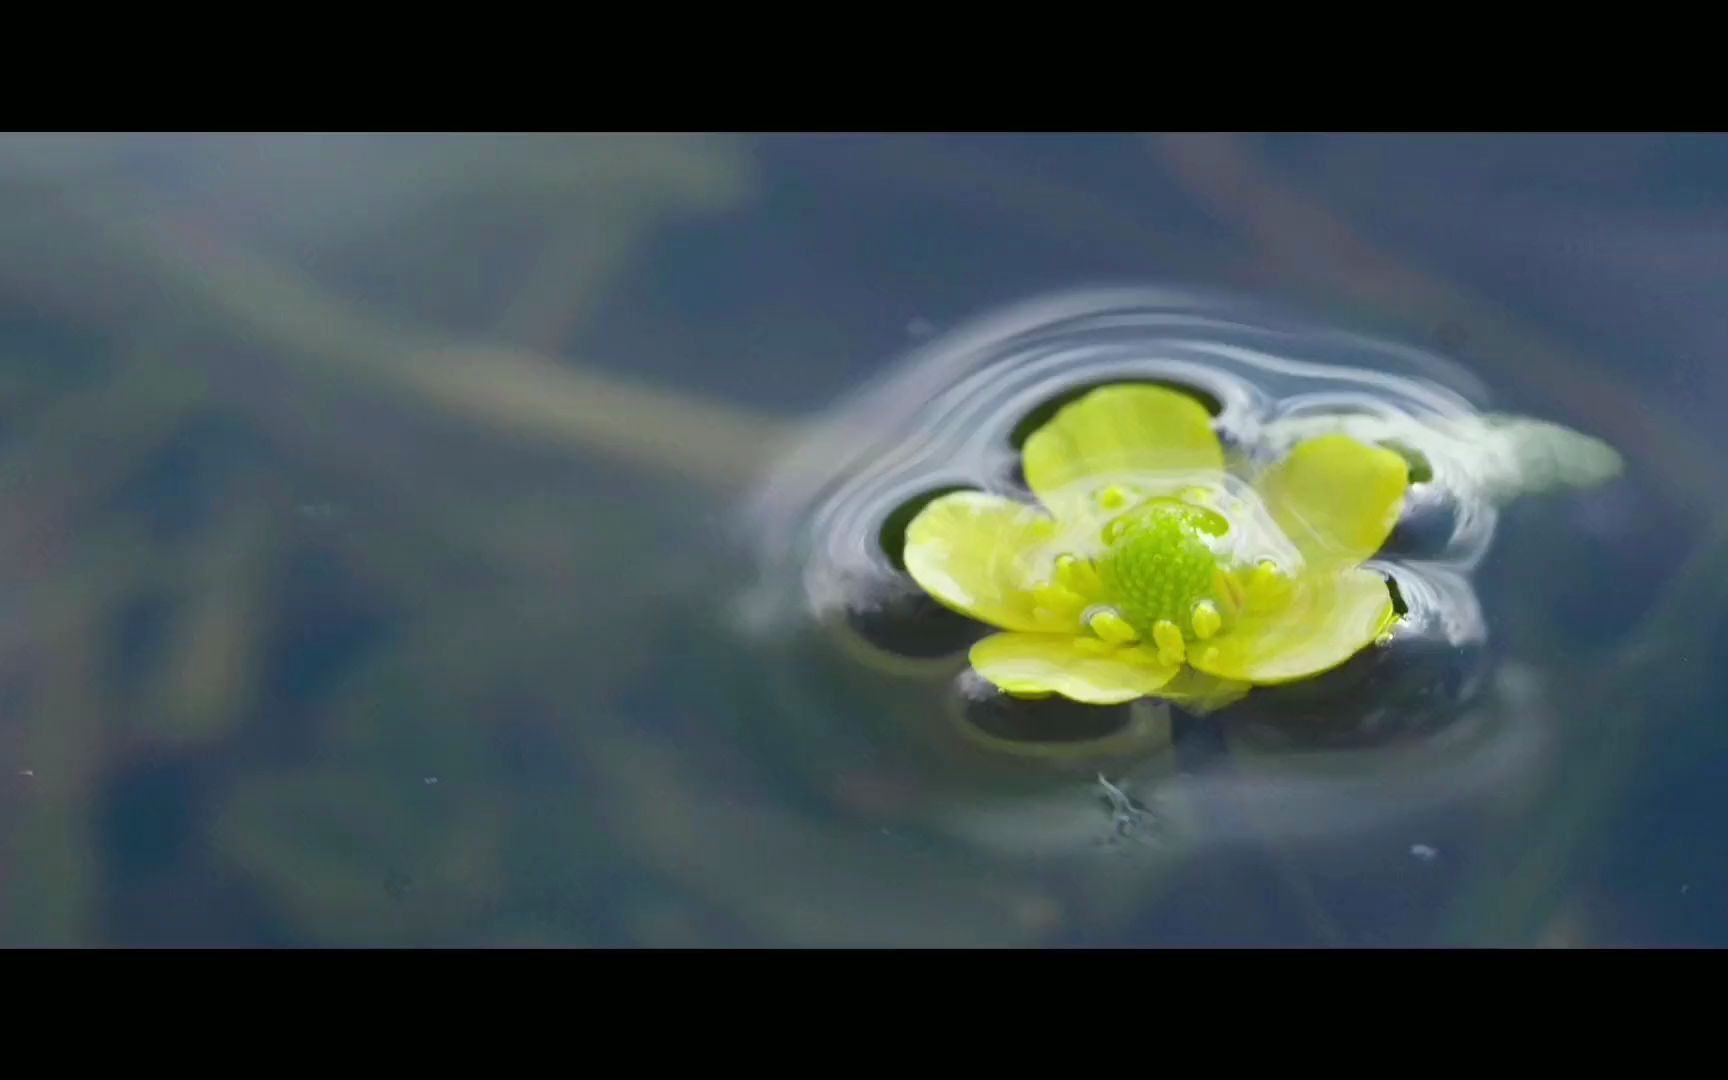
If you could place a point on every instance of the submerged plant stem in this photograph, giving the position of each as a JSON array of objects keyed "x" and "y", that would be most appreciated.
[{"x": 511, "y": 391}]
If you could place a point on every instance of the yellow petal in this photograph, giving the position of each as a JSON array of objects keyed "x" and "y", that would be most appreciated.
[
  {"x": 1327, "y": 620},
  {"x": 1128, "y": 428},
  {"x": 1336, "y": 498},
  {"x": 1057, "y": 663},
  {"x": 974, "y": 552}
]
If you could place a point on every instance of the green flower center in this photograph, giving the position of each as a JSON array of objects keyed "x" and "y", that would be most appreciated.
[{"x": 1159, "y": 568}]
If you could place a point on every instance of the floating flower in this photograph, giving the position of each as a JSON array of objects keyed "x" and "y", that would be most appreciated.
[{"x": 1148, "y": 569}]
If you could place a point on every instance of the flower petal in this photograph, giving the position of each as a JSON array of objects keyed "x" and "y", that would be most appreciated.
[
  {"x": 1336, "y": 498},
  {"x": 974, "y": 552},
  {"x": 1029, "y": 664},
  {"x": 1329, "y": 618},
  {"x": 1116, "y": 430}
]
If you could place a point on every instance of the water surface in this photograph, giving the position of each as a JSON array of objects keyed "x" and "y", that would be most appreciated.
[{"x": 388, "y": 523}]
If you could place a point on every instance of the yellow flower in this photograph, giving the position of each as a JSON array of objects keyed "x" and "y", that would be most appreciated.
[{"x": 1151, "y": 570}]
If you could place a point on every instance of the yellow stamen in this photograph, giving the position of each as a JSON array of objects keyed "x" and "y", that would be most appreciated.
[
  {"x": 1112, "y": 627},
  {"x": 1227, "y": 589},
  {"x": 1171, "y": 648},
  {"x": 1267, "y": 587},
  {"x": 1112, "y": 497},
  {"x": 1077, "y": 575},
  {"x": 1058, "y": 602},
  {"x": 1206, "y": 619}
]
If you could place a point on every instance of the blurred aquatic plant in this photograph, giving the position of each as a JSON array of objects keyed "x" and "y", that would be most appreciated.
[{"x": 285, "y": 497}]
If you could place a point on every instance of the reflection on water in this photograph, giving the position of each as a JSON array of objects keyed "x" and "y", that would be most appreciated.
[{"x": 461, "y": 540}]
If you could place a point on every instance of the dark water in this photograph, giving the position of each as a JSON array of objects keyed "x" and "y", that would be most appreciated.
[{"x": 379, "y": 562}]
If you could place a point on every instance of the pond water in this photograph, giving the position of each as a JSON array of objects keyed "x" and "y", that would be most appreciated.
[{"x": 490, "y": 541}]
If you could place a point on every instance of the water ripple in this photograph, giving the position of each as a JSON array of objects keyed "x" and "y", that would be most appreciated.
[
  {"x": 1413, "y": 726},
  {"x": 949, "y": 413}
]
